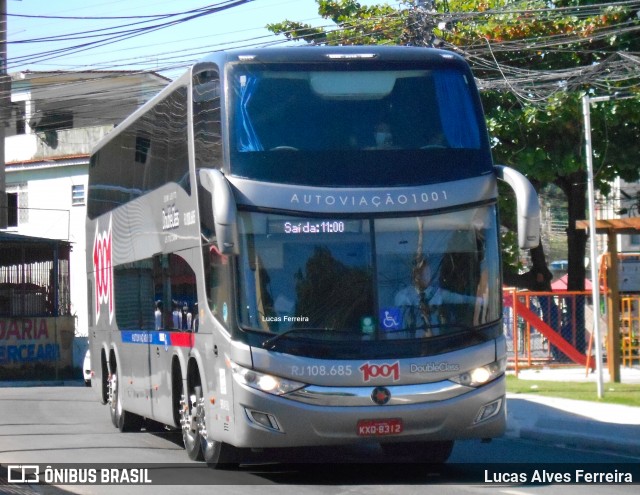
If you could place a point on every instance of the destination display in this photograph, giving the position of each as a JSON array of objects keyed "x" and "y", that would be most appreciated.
[{"x": 301, "y": 227}]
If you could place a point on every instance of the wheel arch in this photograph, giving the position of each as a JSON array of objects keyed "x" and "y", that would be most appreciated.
[
  {"x": 104, "y": 378},
  {"x": 177, "y": 382},
  {"x": 194, "y": 373},
  {"x": 114, "y": 359}
]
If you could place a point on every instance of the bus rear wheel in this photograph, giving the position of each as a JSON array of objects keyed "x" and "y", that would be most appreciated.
[
  {"x": 423, "y": 452},
  {"x": 123, "y": 420},
  {"x": 111, "y": 397}
]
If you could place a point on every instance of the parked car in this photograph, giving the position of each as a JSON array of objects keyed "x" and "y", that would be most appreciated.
[{"x": 86, "y": 368}]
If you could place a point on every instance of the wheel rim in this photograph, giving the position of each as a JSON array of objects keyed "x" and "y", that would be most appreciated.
[
  {"x": 113, "y": 390},
  {"x": 192, "y": 420},
  {"x": 118, "y": 401}
]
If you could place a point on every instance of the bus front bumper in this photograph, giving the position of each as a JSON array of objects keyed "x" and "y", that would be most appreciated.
[{"x": 262, "y": 420}]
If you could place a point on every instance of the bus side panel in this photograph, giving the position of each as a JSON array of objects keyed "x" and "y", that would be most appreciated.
[
  {"x": 133, "y": 375},
  {"x": 161, "y": 375},
  {"x": 220, "y": 403}
]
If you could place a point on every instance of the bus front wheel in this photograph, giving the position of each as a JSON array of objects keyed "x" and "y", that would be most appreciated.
[
  {"x": 220, "y": 455},
  {"x": 423, "y": 452}
]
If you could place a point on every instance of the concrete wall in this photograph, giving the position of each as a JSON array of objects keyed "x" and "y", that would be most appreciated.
[{"x": 55, "y": 144}]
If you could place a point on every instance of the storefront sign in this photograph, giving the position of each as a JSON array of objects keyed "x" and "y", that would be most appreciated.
[{"x": 36, "y": 340}]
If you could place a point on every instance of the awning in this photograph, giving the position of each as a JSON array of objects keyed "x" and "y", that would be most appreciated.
[{"x": 20, "y": 249}]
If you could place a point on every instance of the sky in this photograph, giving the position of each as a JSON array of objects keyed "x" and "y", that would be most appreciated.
[{"x": 168, "y": 50}]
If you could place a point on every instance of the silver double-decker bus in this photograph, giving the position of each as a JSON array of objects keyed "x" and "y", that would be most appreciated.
[{"x": 300, "y": 247}]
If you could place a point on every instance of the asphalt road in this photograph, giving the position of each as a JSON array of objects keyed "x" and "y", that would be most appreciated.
[{"x": 51, "y": 426}]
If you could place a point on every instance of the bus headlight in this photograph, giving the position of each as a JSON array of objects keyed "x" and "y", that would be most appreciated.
[
  {"x": 261, "y": 381},
  {"x": 484, "y": 374}
]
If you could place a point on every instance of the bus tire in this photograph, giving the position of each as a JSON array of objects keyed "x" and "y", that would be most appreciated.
[
  {"x": 104, "y": 388},
  {"x": 190, "y": 410},
  {"x": 220, "y": 455},
  {"x": 423, "y": 452},
  {"x": 111, "y": 397},
  {"x": 196, "y": 441},
  {"x": 125, "y": 421}
]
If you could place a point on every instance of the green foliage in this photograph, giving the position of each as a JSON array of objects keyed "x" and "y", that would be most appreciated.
[
  {"x": 297, "y": 31},
  {"x": 355, "y": 25}
]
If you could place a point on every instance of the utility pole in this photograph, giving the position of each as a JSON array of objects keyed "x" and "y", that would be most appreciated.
[
  {"x": 595, "y": 281},
  {"x": 613, "y": 336},
  {"x": 5, "y": 99}
]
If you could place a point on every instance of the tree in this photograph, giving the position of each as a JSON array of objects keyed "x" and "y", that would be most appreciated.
[
  {"x": 534, "y": 60},
  {"x": 355, "y": 25},
  {"x": 534, "y": 112}
]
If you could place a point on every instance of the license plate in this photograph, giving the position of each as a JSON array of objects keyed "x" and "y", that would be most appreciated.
[{"x": 379, "y": 427}]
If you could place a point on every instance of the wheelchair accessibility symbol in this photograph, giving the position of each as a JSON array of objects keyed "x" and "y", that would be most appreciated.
[{"x": 391, "y": 319}]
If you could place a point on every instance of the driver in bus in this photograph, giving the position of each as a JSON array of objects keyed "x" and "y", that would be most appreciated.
[
  {"x": 427, "y": 296},
  {"x": 383, "y": 136}
]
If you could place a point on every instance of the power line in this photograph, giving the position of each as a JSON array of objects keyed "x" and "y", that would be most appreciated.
[
  {"x": 495, "y": 62},
  {"x": 121, "y": 35}
]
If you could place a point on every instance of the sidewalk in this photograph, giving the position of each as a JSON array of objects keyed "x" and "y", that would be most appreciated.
[
  {"x": 578, "y": 374},
  {"x": 583, "y": 424}
]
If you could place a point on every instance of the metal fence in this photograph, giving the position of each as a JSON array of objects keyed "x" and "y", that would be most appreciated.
[
  {"x": 548, "y": 328},
  {"x": 34, "y": 277},
  {"x": 630, "y": 330}
]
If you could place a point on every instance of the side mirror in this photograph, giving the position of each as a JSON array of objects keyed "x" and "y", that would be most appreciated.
[
  {"x": 224, "y": 210},
  {"x": 527, "y": 205}
]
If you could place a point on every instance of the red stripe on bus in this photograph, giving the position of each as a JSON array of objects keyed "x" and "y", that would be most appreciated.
[{"x": 182, "y": 339}]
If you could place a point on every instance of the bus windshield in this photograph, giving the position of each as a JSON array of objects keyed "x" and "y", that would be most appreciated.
[
  {"x": 324, "y": 125},
  {"x": 368, "y": 279}
]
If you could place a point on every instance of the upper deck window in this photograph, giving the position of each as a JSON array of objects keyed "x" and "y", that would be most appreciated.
[
  {"x": 354, "y": 110},
  {"x": 352, "y": 121},
  {"x": 148, "y": 153}
]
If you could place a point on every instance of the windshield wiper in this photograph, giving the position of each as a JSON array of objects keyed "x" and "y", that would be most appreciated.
[{"x": 270, "y": 342}]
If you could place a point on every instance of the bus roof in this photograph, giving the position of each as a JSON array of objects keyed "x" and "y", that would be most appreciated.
[{"x": 333, "y": 54}]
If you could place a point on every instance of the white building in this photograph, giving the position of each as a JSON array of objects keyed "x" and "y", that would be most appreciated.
[{"x": 56, "y": 119}]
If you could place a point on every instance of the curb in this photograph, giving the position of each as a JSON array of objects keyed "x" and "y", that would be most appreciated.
[
  {"x": 41, "y": 383},
  {"x": 579, "y": 440}
]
